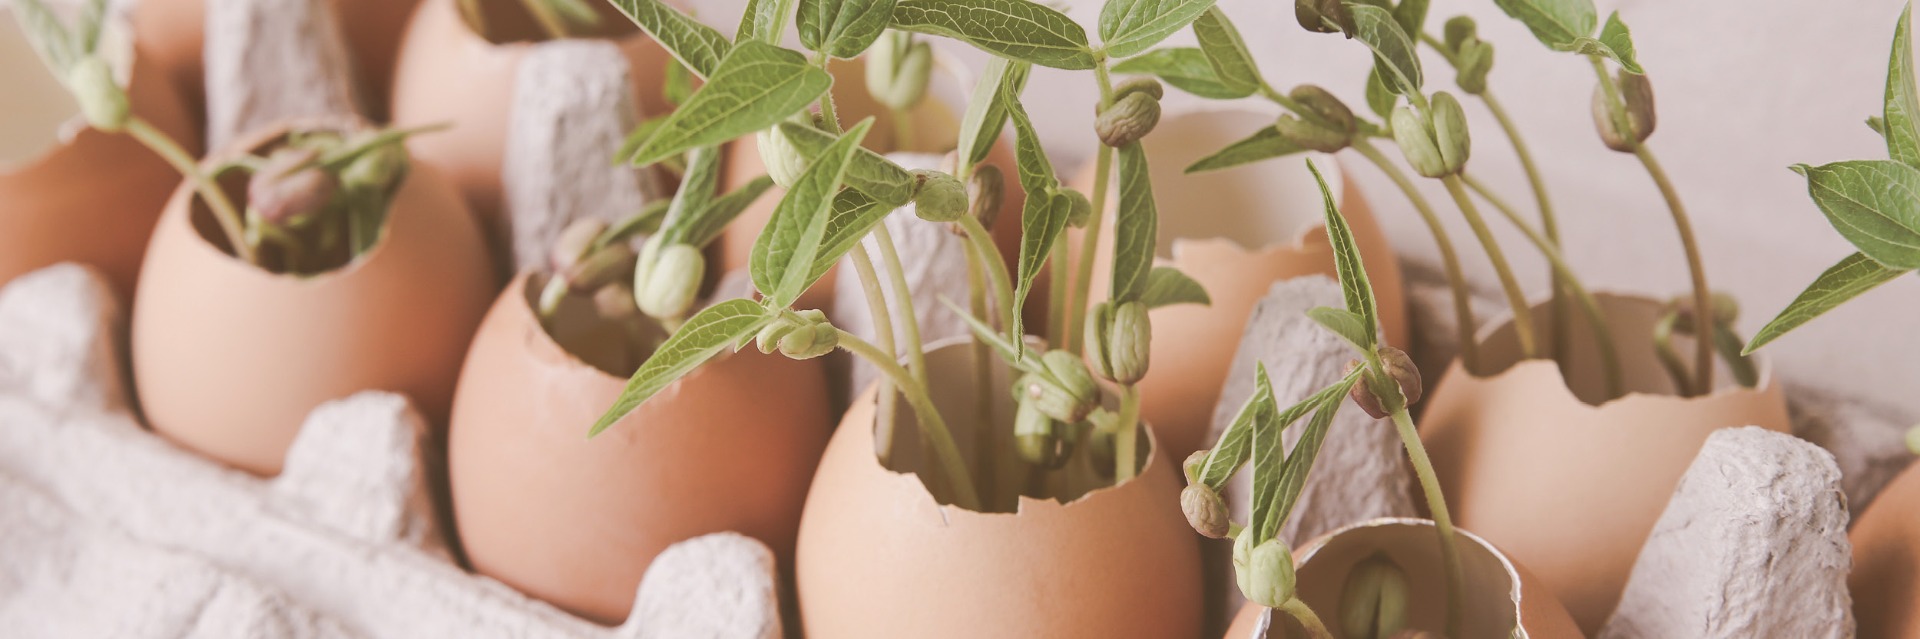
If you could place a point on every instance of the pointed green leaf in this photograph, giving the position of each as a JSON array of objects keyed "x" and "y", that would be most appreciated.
[
  {"x": 710, "y": 220},
  {"x": 1130, "y": 26},
  {"x": 1620, "y": 42},
  {"x": 697, "y": 187},
  {"x": 1412, "y": 16},
  {"x": 1226, "y": 52},
  {"x": 755, "y": 87},
  {"x": 1136, "y": 226},
  {"x": 853, "y": 216},
  {"x": 1354, "y": 285},
  {"x": 1167, "y": 286},
  {"x": 1852, "y": 276},
  {"x": 1264, "y": 144},
  {"x": 783, "y": 256},
  {"x": 1267, "y": 453},
  {"x": 1875, "y": 204},
  {"x": 987, "y": 111},
  {"x": 1017, "y": 29},
  {"x": 1187, "y": 69},
  {"x": 1380, "y": 99},
  {"x": 1030, "y": 160},
  {"x": 870, "y": 173},
  {"x": 1901, "y": 125},
  {"x": 1235, "y": 445},
  {"x": 690, "y": 41},
  {"x": 87, "y": 29},
  {"x": 1346, "y": 324},
  {"x": 1293, "y": 477},
  {"x": 763, "y": 20},
  {"x": 1879, "y": 126},
  {"x": 48, "y": 36},
  {"x": 1555, "y": 22},
  {"x": 700, "y": 339},
  {"x": 1393, "y": 48},
  {"x": 1041, "y": 222},
  {"x": 843, "y": 28},
  {"x": 678, "y": 85}
]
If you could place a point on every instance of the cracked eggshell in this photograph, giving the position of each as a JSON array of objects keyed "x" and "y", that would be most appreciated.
[
  {"x": 576, "y": 522},
  {"x": 1500, "y": 592},
  {"x": 89, "y": 196},
  {"x": 1886, "y": 561},
  {"x": 1569, "y": 488},
  {"x": 229, "y": 358},
  {"x": 448, "y": 74},
  {"x": 1236, "y": 231}
]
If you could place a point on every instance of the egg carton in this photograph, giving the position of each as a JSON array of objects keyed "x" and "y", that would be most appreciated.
[{"x": 109, "y": 530}]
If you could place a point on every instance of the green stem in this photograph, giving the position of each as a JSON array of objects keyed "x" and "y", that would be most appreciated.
[
  {"x": 932, "y": 427},
  {"x": 1589, "y": 306},
  {"x": 1126, "y": 453},
  {"x": 1522, "y": 313},
  {"x": 1442, "y": 520},
  {"x": 1300, "y": 612},
  {"x": 985, "y": 439},
  {"x": 882, "y": 333},
  {"x": 1089, "y": 244},
  {"x": 224, "y": 212},
  {"x": 996, "y": 270},
  {"x": 1057, "y": 316},
  {"x": 903, "y": 130},
  {"x": 1449, "y": 260},
  {"x": 550, "y": 20},
  {"x": 1669, "y": 359},
  {"x": 1549, "y": 223}
]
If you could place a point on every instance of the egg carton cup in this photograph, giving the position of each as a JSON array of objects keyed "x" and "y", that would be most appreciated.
[{"x": 109, "y": 530}]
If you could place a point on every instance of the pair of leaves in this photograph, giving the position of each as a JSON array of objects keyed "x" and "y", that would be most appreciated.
[
  {"x": 1187, "y": 69},
  {"x": 1016, "y": 29},
  {"x": 843, "y": 28},
  {"x": 1044, "y": 216},
  {"x": 870, "y": 172},
  {"x": 1354, "y": 285},
  {"x": 1900, "y": 123},
  {"x": 986, "y": 112},
  {"x": 1226, "y": 52},
  {"x": 1875, "y": 204},
  {"x": 754, "y": 87},
  {"x": 1615, "y": 42},
  {"x": 1265, "y": 144},
  {"x": 690, "y": 41},
  {"x": 783, "y": 256},
  {"x": 763, "y": 20},
  {"x": 700, "y": 339},
  {"x": 1136, "y": 226},
  {"x": 1128, "y": 27},
  {"x": 1277, "y": 481},
  {"x": 1393, "y": 48},
  {"x": 1236, "y": 444},
  {"x": 1567, "y": 25}
]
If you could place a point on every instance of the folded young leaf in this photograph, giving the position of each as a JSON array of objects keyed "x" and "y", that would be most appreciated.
[
  {"x": 1017, "y": 29},
  {"x": 1265, "y": 144},
  {"x": 710, "y": 220},
  {"x": 1167, "y": 286},
  {"x": 1393, "y": 48},
  {"x": 1220, "y": 42},
  {"x": 690, "y": 41},
  {"x": 696, "y": 190},
  {"x": 783, "y": 256},
  {"x": 1875, "y": 204},
  {"x": 762, "y": 21},
  {"x": 755, "y": 87},
  {"x": 1030, "y": 160},
  {"x": 1347, "y": 324},
  {"x": 1615, "y": 43},
  {"x": 1901, "y": 124},
  {"x": 843, "y": 28},
  {"x": 1354, "y": 285},
  {"x": 1187, "y": 69},
  {"x": 1130, "y": 26},
  {"x": 1412, "y": 16},
  {"x": 1041, "y": 221},
  {"x": 1136, "y": 226},
  {"x": 987, "y": 111},
  {"x": 1844, "y": 281},
  {"x": 1267, "y": 453},
  {"x": 1236, "y": 443},
  {"x": 1555, "y": 22},
  {"x": 853, "y": 216},
  {"x": 870, "y": 173},
  {"x": 1380, "y": 99},
  {"x": 700, "y": 339},
  {"x": 1293, "y": 476}
]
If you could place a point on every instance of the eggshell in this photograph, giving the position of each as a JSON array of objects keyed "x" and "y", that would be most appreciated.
[
  {"x": 1569, "y": 488},
  {"x": 1236, "y": 231},
  {"x": 1886, "y": 561},
  {"x": 1499, "y": 590},
  {"x": 94, "y": 197},
  {"x": 175, "y": 30},
  {"x": 879, "y": 557},
  {"x": 447, "y": 74},
  {"x": 730, "y": 447},
  {"x": 229, "y": 358}
]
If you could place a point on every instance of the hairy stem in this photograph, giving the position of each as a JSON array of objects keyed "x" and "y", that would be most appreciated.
[
  {"x": 932, "y": 427},
  {"x": 882, "y": 333},
  {"x": 231, "y": 224},
  {"x": 1126, "y": 453},
  {"x": 1089, "y": 244},
  {"x": 1449, "y": 260},
  {"x": 909, "y": 329},
  {"x": 1300, "y": 612},
  {"x": 996, "y": 270},
  {"x": 1522, "y": 312},
  {"x": 1442, "y": 520},
  {"x": 985, "y": 439}
]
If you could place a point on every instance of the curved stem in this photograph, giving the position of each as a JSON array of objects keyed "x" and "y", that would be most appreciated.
[
  {"x": 1589, "y": 306},
  {"x": 910, "y": 328},
  {"x": 985, "y": 440},
  {"x": 1300, "y": 612},
  {"x": 1522, "y": 312},
  {"x": 1126, "y": 453},
  {"x": 1449, "y": 261},
  {"x": 932, "y": 427},
  {"x": 224, "y": 212},
  {"x": 883, "y": 333},
  {"x": 996, "y": 270},
  {"x": 1089, "y": 244},
  {"x": 1549, "y": 223},
  {"x": 1057, "y": 315},
  {"x": 1442, "y": 519}
]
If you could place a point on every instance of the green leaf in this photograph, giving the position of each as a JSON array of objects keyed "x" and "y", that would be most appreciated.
[
  {"x": 1347, "y": 324},
  {"x": 1556, "y": 23},
  {"x": 1852, "y": 276},
  {"x": 1187, "y": 69},
  {"x": 755, "y": 87},
  {"x": 1267, "y": 453},
  {"x": 987, "y": 111},
  {"x": 1614, "y": 42},
  {"x": 87, "y": 29},
  {"x": 1265, "y": 144},
  {"x": 1030, "y": 160},
  {"x": 710, "y": 220},
  {"x": 1167, "y": 286},
  {"x": 1901, "y": 125},
  {"x": 1875, "y": 204},
  {"x": 1220, "y": 42},
  {"x": 1878, "y": 125},
  {"x": 843, "y": 28},
  {"x": 853, "y": 216},
  {"x": 1393, "y": 49},
  {"x": 1042, "y": 220},
  {"x": 1380, "y": 99},
  {"x": 678, "y": 85},
  {"x": 1235, "y": 445},
  {"x": 1016, "y": 29},
  {"x": 762, "y": 21},
  {"x": 1293, "y": 476},
  {"x": 984, "y": 333},
  {"x": 1130, "y": 26},
  {"x": 1354, "y": 285},
  {"x": 697, "y": 187},
  {"x": 700, "y": 339},
  {"x": 870, "y": 173},
  {"x": 1412, "y": 16},
  {"x": 783, "y": 256},
  {"x": 690, "y": 41},
  {"x": 48, "y": 36},
  {"x": 1135, "y": 228}
]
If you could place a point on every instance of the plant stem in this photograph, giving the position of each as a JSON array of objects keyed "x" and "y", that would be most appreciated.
[
  {"x": 910, "y": 328},
  {"x": 1442, "y": 520},
  {"x": 224, "y": 212},
  {"x": 1125, "y": 441},
  {"x": 932, "y": 427},
  {"x": 996, "y": 270},
  {"x": 1597, "y": 320},
  {"x": 1057, "y": 316},
  {"x": 1300, "y": 612},
  {"x": 1089, "y": 244},
  {"x": 550, "y": 20},
  {"x": 883, "y": 333},
  {"x": 1702, "y": 296},
  {"x": 985, "y": 439},
  {"x": 1449, "y": 261},
  {"x": 1522, "y": 313},
  {"x": 1549, "y": 223},
  {"x": 902, "y": 130}
]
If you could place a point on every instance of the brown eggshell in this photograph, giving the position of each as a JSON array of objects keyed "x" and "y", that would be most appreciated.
[
  {"x": 176, "y": 29},
  {"x": 576, "y": 522},
  {"x": 94, "y": 198},
  {"x": 1236, "y": 231},
  {"x": 878, "y": 557},
  {"x": 1886, "y": 561},
  {"x": 229, "y": 358},
  {"x": 1500, "y": 591},
  {"x": 1569, "y": 488},
  {"x": 447, "y": 74}
]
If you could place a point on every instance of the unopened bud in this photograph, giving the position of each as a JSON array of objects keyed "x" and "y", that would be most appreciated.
[
  {"x": 1038, "y": 438},
  {"x": 938, "y": 197},
  {"x": 101, "y": 99},
  {"x": 810, "y": 341},
  {"x": 1205, "y": 510},
  {"x": 1473, "y": 61},
  {"x": 1264, "y": 572},
  {"x": 1726, "y": 311},
  {"x": 1195, "y": 463},
  {"x": 1068, "y": 396},
  {"x": 615, "y": 302},
  {"x": 1120, "y": 337},
  {"x": 1325, "y": 106},
  {"x": 903, "y": 77},
  {"x": 1400, "y": 367},
  {"x": 289, "y": 186},
  {"x": 1373, "y": 603},
  {"x": 666, "y": 289},
  {"x": 984, "y": 191},
  {"x": 1636, "y": 94},
  {"x": 1450, "y": 131},
  {"x": 376, "y": 168},
  {"x": 1459, "y": 30},
  {"x": 1128, "y": 119},
  {"x": 1314, "y": 16},
  {"x": 1415, "y": 138},
  {"x": 1081, "y": 211},
  {"x": 1144, "y": 84},
  {"x": 784, "y": 162},
  {"x": 1308, "y": 135},
  {"x": 1373, "y": 393},
  {"x": 574, "y": 241}
]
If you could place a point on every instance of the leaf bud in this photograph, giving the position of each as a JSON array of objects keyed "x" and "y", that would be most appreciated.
[
  {"x": 1636, "y": 94},
  {"x": 1313, "y": 15},
  {"x": 666, "y": 288},
  {"x": 938, "y": 197},
  {"x": 1119, "y": 340},
  {"x": 784, "y": 162},
  {"x": 1458, "y": 31},
  {"x": 1373, "y": 395},
  {"x": 102, "y": 101},
  {"x": 1450, "y": 131},
  {"x": 1308, "y": 135},
  {"x": 1038, "y": 438},
  {"x": 1195, "y": 463},
  {"x": 574, "y": 242},
  {"x": 376, "y": 168},
  {"x": 1128, "y": 119},
  {"x": 1205, "y": 510},
  {"x": 1065, "y": 393},
  {"x": 810, "y": 341},
  {"x": 1263, "y": 572},
  {"x": 909, "y": 83},
  {"x": 1143, "y": 84},
  {"x": 1081, "y": 211},
  {"x": 289, "y": 186},
  {"x": 984, "y": 191},
  {"x": 1415, "y": 138},
  {"x": 1475, "y": 60},
  {"x": 1373, "y": 603}
]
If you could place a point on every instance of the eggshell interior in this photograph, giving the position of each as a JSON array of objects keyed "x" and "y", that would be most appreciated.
[
  {"x": 1569, "y": 488},
  {"x": 1236, "y": 231},
  {"x": 1886, "y": 561},
  {"x": 229, "y": 358}
]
